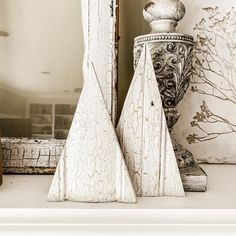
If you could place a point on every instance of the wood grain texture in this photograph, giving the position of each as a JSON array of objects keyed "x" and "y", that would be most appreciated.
[
  {"x": 194, "y": 180},
  {"x": 99, "y": 28},
  {"x": 92, "y": 167},
  {"x": 144, "y": 136}
]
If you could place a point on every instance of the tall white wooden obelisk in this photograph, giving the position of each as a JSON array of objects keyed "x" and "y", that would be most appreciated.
[
  {"x": 92, "y": 167},
  {"x": 144, "y": 136}
]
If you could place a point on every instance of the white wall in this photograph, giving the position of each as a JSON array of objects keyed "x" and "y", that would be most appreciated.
[
  {"x": 45, "y": 36},
  {"x": 132, "y": 24}
]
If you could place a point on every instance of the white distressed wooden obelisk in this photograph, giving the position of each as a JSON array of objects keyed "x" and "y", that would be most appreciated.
[
  {"x": 144, "y": 136},
  {"x": 92, "y": 167}
]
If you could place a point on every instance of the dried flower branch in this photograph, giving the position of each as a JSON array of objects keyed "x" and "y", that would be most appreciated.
[
  {"x": 205, "y": 116},
  {"x": 214, "y": 74}
]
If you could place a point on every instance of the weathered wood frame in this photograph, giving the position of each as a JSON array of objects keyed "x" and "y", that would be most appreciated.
[{"x": 100, "y": 38}]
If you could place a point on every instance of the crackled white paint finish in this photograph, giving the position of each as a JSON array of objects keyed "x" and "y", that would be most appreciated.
[
  {"x": 99, "y": 28},
  {"x": 92, "y": 167},
  {"x": 144, "y": 136}
]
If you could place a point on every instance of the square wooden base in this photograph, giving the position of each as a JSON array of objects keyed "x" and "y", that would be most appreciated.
[{"x": 194, "y": 180}]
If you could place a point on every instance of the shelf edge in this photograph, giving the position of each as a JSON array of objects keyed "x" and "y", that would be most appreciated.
[{"x": 117, "y": 216}]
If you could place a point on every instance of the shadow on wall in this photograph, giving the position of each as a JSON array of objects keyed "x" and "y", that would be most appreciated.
[
  {"x": 12, "y": 104},
  {"x": 132, "y": 24}
]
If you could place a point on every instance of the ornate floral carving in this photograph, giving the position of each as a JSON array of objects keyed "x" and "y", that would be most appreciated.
[
  {"x": 184, "y": 157},
  {"x": 172, "y": 62}
]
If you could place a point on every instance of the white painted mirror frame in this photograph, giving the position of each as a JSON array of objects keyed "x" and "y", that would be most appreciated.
[{"x": 100, "y": 36}]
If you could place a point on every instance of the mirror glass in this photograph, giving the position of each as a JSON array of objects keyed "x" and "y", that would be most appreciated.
[{"x": 41, "y": 53}]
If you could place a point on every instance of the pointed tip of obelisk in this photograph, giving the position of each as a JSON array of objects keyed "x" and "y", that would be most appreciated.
[
  {"x": 53, "y": 197},
  {"x": 56, "y": 193},
  {"x": 173, "y": 182},
  {"x": 124, "y": 187}
]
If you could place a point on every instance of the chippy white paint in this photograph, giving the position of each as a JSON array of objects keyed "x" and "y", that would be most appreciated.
[
  {"x": 99, "y": 27},
  {"x": 144, "y": 136},
  {"x": 92, "y": 167},
  {"x": 27, "y": 156}
]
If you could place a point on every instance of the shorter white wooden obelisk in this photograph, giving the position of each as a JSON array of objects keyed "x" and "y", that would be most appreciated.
[
  {"x": 92, "y": 167},
  {"x": 144, "y": 136}
]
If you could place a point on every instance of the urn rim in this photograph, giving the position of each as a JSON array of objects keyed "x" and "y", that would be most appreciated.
[{"x": 164, "y": 37}]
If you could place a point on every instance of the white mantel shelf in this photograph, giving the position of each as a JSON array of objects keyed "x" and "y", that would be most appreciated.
[{"x": 23, "y": 202}]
